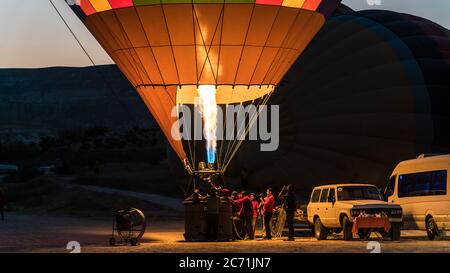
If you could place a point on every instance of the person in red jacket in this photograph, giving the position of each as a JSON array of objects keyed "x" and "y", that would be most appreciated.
[
  {"x": 269, "y": 203},
  {"x": 255, "y": 206},
  {"x": 237, "y": 205},
  {"x": 247, "y": 216}
]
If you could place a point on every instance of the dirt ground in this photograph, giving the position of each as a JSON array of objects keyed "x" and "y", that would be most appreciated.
[{"x": 34, "y": 233}]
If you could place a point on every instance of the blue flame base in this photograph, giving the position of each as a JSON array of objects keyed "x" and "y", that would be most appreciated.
[{"x": 211, "y": 154}]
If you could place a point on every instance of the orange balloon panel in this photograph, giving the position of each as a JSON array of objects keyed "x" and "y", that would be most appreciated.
[{"x": 190, "y": 44}]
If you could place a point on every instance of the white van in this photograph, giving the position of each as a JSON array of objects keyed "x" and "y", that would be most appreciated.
[{"x": 421, "y": 187}]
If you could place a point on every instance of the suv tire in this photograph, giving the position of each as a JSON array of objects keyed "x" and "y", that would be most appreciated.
[
  {"x": 432, "y": 229},
  {"x": 320, "y": 231},
  {"x": 347, "y": 227},
  {"x": 395, "y": 232}
]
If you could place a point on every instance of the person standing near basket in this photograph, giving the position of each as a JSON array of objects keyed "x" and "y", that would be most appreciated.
[
  {"x": 290, "y": 205},
  {"x": 269, "y": 203}
]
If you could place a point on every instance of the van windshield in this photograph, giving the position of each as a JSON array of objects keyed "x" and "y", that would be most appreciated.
[{"x": 348, "y": 193}]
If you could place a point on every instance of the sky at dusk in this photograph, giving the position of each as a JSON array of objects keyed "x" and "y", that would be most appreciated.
[{"x": 33, "y": 35}]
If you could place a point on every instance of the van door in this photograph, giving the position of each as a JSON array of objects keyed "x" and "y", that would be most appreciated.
[
  {"x": 392, "y": 196},
  {"x": 406, "y": 184}
]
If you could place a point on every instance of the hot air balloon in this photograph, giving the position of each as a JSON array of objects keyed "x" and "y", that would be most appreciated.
[{"x": 223, "y": 52}]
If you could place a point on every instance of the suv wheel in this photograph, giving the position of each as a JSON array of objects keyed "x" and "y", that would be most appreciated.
[
  {"x": 432, "y": 229},
  {"x": 347, "y": 227},
  {"x": 320, "y": 231},
  {"x": 395, "y": 232}
]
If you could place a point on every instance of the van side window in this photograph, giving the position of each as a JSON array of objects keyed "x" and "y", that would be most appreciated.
[
  {"x": 315, "y": 196},
  {"x": 324, "y": 196},
  {"x": 422, "y": 184},
  {"x": 439, "y": 182}
]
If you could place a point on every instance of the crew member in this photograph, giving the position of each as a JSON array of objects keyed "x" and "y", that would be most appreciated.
[
  {"x": 261, "y": 209},
  {"x": 247, "y": 216},
  {"x": 290, "y": 205},
  {"x": 255, "y": 207},
  {"x": 269, "y": 203},
  {"x": 236, "y": 219}
]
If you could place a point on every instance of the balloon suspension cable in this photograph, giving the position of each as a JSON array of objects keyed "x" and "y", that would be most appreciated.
[
  {"x": 243, "y": 132},
  {"x": 93, "y": 63}
]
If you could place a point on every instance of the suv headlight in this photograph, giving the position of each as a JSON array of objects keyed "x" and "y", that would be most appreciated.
[{"x": 355, "y": 212}]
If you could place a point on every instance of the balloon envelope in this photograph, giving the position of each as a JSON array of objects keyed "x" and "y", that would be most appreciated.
[{"x": 168, "y": 48}]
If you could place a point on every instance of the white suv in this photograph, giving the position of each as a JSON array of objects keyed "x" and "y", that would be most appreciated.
[{"x": 333, "y": 208}]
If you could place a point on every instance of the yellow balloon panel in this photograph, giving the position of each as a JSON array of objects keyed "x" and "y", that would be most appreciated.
[{"x": 100, "y": 5}]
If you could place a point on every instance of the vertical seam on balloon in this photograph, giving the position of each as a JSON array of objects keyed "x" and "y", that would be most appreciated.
[
  {"x": 134, "y": 48},
  {"x": 285, "y": 57},
  {"x": 219, "y": 161},
  {"x": 129, "y": 55},
  {"x": 243, "y": 45},
  {"x": 149, "y": 44},
  {"x": 276, "y": 59},
  {"x": 264, "y": 46},
  {"x": 197, "y": 78},
  {"x": 275, "y": 66},
  {"x": 237, "y": 69},
  {"x": 281, "y": 61},
  {"x": 274, "y": 63},
  {"x": 132, "y": 66},
  {"x": 171, "y": 45},
  {"x": 211, "y": 45},
  {"x": 106, "y": 40},
  {"x": 139, "y": 78},
  {"x": 195, "y": 45},
  {"x": 208, "y": 60},
  {"x": 222, "y": 14},
  {"x": 234, "y": 82},
  {"x": 142, "y": 68}
]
